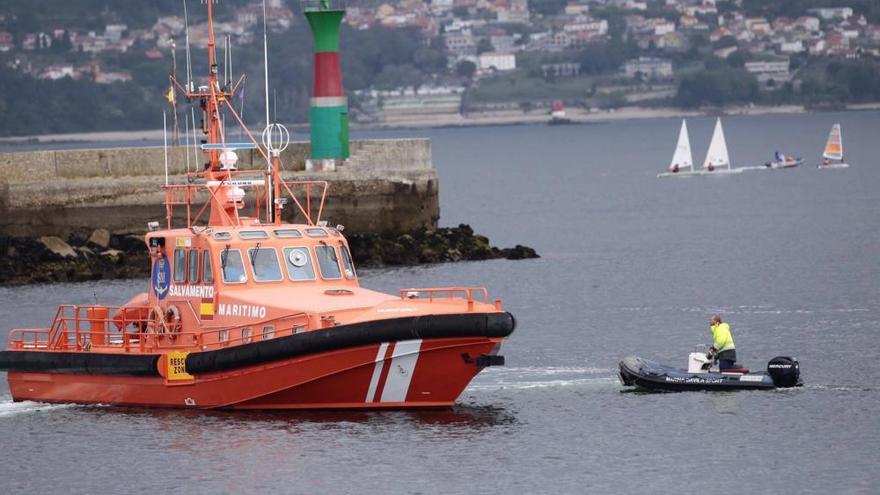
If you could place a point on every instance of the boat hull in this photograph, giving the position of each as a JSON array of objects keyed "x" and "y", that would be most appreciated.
[
  {"x": 700, "y": 173},
  {"x": 650, "y": 376},
  {"x": 405, "y": 374},
  {"x": 833, "y": 165},
  {"x": 776, "y": 165}
]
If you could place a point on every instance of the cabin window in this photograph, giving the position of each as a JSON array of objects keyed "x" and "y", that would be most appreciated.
[
  {"x": 253, "y": 234},
  {"x": 223, "y": 336},
  {"x": 288, "y": 233},
  {"x": 333, "y": 231},
  {"x": 232, "y": 267},
  {"x": 316, "y": 232},
  {"x": 246, "y": 334},
  {"x": 299, "y": 264},
  {"x": 268, "y": 332},
  {"x": 328, "y": 262},
  {"x": 264, "y": 262},
  {"x": 207, "y": 271},
  {"x": 222, "y": 236},
  {"x": 194, "y": 266},
  {"x": 347, "y": 264},
  {"x": 180, "y": 265}
]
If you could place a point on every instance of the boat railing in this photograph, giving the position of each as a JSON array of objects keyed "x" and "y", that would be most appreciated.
[
  {"x": 140, "y": 329},
  {"x": 470, "y": 295},
  {"x": 229, "y": 336},
  {"x": 81, "y": 327},
  {"x": 186, "y": 195},
  {"x": 307, "y": 187}
]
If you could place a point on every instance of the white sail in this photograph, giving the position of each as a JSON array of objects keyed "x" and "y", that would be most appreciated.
[
  {"x": 834, "y": 145},
  {"x": 717, "y": 156},
  {"x": 682, "y": 157}
]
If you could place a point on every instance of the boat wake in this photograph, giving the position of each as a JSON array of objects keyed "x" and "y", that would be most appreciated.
[
  {"x": 542, "y": 377},
  {"x": 10, "y": 408},
  {"x": 841, "y": 388}
]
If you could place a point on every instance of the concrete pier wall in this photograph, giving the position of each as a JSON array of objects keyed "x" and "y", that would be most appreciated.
[{"x": 388, "y": 187}]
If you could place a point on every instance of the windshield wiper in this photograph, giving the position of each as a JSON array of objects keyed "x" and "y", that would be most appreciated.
[
  {"x": 223, "y": 257},
  {"x": 254, "y": 256}
]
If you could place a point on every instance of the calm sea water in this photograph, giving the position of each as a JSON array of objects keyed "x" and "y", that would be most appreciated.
[{"x": 630, "y": 265}]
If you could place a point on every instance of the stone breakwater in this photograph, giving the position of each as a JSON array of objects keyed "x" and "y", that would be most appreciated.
[
  {"x": 102, "y": 255},
  {"x": 389, "y": 186}
]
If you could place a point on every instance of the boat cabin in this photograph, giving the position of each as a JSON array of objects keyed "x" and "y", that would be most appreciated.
[{"x": 207, "y": 278}]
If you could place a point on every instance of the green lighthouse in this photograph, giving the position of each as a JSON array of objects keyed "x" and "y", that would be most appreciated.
[{"x": 328, "y": 114}]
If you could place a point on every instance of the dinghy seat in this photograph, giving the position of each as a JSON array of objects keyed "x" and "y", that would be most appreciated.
[{"x": 737, "y": 369}]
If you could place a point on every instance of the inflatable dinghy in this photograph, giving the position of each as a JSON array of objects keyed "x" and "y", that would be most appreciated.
[{"x": 703, "y": 374}]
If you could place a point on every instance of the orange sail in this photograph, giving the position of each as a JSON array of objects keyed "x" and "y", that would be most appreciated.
[{"x": 834, "y": 145}]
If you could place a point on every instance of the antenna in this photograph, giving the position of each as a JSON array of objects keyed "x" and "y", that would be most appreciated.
[
  {"x": 275, "y": 139},
  {"x": 173, "y": 98},
  {"x": 189, "y": 74},
  {"x": 227, "y": 61},
  {"x": 241, "y": 112},
  {"x": 266, "y": 62},
  {"x": 165, "y": 140},
  {"x": 192, "y": 111},
  {"x": 186, "y": 133},
  {"x": 229, "y": 41}
]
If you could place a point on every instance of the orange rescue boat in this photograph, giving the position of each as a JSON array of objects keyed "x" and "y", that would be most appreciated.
[{"x": 245, "y": 311}]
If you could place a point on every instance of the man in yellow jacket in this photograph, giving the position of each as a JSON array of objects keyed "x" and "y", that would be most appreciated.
[{"x": 722, "y": 343}]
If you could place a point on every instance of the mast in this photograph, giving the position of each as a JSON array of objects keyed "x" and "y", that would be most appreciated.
[
  {"x": 219, "y": 175},
  {"x": 840, "y": 140},
  {"x": 221, "y": 210},
  {"x": 174, "y": 125},
  {"x": 189, "y": 75}
]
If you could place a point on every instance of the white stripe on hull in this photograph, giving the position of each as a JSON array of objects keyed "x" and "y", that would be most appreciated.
[
  {"x": 377, "y": 372},
  {"x": 403, "y": 363}
]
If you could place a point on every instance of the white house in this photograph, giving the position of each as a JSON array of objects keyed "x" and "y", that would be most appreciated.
[
  {"x": 496, "y": 61},
  {"x": 657, "y": 68}
]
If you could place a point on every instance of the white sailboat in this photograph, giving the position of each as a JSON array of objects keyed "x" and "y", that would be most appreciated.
[
  {"x": 717, "y": 158},
  {"x": 832, "y": 156},
  {"x": 682, "y": 164}
]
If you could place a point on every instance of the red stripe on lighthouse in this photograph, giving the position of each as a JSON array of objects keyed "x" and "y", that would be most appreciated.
[{"x": 327, "y": 79}]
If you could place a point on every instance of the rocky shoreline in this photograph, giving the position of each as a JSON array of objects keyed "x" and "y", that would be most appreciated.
[{"x": 99, "y": 255}]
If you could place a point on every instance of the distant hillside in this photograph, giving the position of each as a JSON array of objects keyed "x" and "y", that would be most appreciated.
[
  {"x": 33, "y": 15},
  {"x": 36, "y": 95}
]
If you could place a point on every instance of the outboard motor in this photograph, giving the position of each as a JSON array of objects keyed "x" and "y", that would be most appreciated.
[{"x": 785, "y": 371}]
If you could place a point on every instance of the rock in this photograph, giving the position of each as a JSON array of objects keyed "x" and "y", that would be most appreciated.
[
  {"x": 51, "y": 259},
  {"x": 519, "y": 253},
  {"x": 133, "y": 242},
  {"x": 113, "y": 254},
  {"x": 100, "y": 238},
  {"x": 57, "y": 247}
]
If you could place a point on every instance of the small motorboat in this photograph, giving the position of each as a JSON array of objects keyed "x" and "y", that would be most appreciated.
[
  {"x": 783, "y": 161},
  {"x": 703, "y": 374}
]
